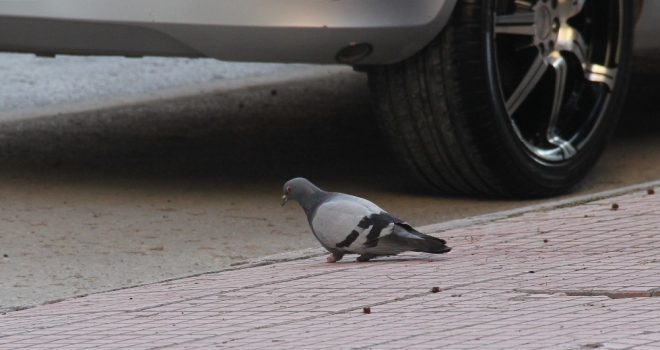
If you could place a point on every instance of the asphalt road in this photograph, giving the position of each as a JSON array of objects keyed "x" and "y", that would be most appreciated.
[
  {"x": 31, "y": 81},
  {"x": 99, "y": 200}
]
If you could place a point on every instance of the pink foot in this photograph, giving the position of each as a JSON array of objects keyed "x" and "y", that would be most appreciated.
[{"x": 333, "y": 258}]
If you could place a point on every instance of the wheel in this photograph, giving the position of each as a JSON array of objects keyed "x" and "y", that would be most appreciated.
[{"x": 513, "y": 99}]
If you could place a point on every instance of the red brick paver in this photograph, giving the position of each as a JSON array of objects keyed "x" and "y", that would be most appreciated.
[{"x": 576, "y": 277}]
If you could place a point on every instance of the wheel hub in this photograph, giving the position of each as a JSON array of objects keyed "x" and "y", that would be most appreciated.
[
  {"x": 548, "y": 20},
  {"x": 544, "y": 24},
  {"x": 557, "y": 35}
]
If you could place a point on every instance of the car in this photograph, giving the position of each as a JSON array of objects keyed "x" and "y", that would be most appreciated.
[{"x": 499, "y": 98}]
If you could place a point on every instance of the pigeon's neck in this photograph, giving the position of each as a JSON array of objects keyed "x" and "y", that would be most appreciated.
[{"x": 311, "y": 202}]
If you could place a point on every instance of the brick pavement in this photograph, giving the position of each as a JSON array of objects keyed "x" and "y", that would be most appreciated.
[{"x": 575, "y": 277}]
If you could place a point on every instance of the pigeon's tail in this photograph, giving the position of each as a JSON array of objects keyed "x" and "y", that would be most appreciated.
[
  {"x": 440, "y": 249},
  {"x": 427, "y": 244},
  {"x": 433, "y": 245}
]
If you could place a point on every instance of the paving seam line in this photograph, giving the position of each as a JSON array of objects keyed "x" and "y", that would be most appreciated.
[
  {"x": 406, "y": 297},
  {"x": 396, "y": 299},
  {"x": 241, "y": 288},
  {"x": 354, "y": 308},
  {"x": 303, "y": 254},
  {"x": 327, "y": 314},
  {"x": 516, "y": 316},
  {"x": 114, "y": 313},
  {"x": 433, "y": 228}
]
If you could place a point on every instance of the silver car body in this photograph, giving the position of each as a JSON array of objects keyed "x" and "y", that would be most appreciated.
[{"x": 312, "y": 31}]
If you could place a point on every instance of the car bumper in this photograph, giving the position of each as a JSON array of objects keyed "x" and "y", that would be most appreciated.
[{"x": 309, "y": 31}]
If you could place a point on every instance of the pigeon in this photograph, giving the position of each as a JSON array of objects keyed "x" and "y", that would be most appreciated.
[{"x": 346, "y": 224}]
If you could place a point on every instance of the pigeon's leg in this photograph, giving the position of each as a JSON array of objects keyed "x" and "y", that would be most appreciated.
[
  {"x": 334, "y": 257},
  {"x": 365, "y": 257}
]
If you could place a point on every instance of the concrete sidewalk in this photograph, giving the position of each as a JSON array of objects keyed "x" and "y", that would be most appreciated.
[{"x": 572, "y": 276}]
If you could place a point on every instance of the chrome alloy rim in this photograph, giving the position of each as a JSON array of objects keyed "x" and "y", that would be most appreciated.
[{"x": 557, "y": 66}]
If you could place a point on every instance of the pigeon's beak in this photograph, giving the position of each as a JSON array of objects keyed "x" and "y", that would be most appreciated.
[{"x": 284, "y": 199}]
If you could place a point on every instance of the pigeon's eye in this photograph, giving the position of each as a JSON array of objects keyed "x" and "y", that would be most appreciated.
[{"x": 289, "y": 189}]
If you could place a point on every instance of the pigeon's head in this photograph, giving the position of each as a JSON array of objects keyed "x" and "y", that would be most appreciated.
[{"x": 298, "y": 189}]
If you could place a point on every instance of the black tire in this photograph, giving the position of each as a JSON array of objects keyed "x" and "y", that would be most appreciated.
[{"x": 476, "y": 111}]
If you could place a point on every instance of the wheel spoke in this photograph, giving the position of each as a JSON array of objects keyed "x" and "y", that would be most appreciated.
[
  {"x": 572, "y": 41},
  {"x": 529, "y": 81},
  {"x": 518, "y": 23},
  {"x": 569, "y": 39},
  {"x": 600, "y": 74},
  {"x": 561, "y": 69},
  {"x": 567, "y": 149}
]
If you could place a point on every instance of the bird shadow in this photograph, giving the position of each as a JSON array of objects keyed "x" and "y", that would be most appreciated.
[{"x": 423, "y": 258}]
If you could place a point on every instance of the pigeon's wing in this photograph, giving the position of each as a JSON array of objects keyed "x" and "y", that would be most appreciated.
[
  {"x": 348, "y": 225},
  {"x": 404, "y": 238},
  {"x": 400, "y": 237}
]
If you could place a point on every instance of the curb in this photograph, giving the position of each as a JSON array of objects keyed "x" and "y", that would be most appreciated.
[{"x": 569, "y": 202}]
